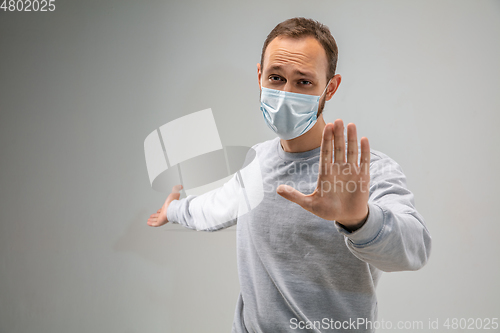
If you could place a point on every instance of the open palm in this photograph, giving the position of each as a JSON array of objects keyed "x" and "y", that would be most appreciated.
[
  {"x": 160, "y": 217},
  {"x": 342, "y": 190}
]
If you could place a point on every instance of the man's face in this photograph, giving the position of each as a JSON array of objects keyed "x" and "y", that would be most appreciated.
[{"x": 295, "y": 65}]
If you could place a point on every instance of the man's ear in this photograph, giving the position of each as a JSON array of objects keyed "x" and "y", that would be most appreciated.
[
  {"x": 259, "y": 74},
  {"x": 333, "y": 86}
]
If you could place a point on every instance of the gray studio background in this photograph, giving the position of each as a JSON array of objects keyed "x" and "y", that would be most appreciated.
[{"x": 81, "y": 88}]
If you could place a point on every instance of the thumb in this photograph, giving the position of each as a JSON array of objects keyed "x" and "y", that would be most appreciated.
[
  {"x": 175, "y": 194},
  {"x": 293, "y": 195}
]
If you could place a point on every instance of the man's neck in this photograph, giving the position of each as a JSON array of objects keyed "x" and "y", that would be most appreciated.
[{"x": 307, "y": 141}]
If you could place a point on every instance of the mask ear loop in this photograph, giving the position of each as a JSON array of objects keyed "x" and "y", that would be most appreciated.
[
  {"x": 325, "y": 88},
  {"x": 319, "y": 99}
]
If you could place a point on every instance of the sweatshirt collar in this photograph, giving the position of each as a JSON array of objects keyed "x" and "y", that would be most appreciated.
[{"x": 287, "y": 156}]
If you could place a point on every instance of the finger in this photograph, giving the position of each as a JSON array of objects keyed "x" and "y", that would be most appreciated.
[
  {"x": 339, "y": 141},
  {"x": 352, "y": 144},
  {"x": 326, "y": 149},
  {"x": 293, "y": 195},
  {"x": 365, "y": 155},
  {"x": 152, "y": 222}
]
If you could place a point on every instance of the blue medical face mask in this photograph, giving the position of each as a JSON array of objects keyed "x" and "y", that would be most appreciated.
[{"x": 289, "y": 114}]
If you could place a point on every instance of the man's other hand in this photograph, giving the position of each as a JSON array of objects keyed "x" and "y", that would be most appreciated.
[{"x": 160, "y": 217}]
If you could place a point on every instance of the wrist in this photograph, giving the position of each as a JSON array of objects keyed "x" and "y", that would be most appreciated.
[{"x": 355, "y": 225}]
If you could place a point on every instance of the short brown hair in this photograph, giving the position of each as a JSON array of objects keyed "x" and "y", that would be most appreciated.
[{"x": 299, "y": 27}]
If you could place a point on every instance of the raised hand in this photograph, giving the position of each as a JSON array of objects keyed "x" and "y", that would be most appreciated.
[
  {"x": 160, "y": 217},
  {"x": 342, "y": 190}
]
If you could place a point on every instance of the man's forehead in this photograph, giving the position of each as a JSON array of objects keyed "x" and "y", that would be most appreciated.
[{"x": 306, "y": 54}]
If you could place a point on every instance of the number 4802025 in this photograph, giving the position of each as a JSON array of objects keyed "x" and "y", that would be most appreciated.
[{"x": 28, "y": 5}]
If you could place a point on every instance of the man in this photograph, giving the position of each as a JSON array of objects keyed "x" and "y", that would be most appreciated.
[{"x": 310, "y": 261}]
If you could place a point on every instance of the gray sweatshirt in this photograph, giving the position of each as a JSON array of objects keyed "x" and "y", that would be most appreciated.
[{"x": 297, "y": 271}]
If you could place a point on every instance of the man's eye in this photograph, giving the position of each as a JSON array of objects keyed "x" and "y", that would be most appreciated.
[
  {"x": 275, "y": 78},
  {"x": 305, "y": 82}
]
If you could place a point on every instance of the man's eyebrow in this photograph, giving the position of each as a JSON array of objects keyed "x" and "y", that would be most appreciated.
[{"x": 303, "y": 73}]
